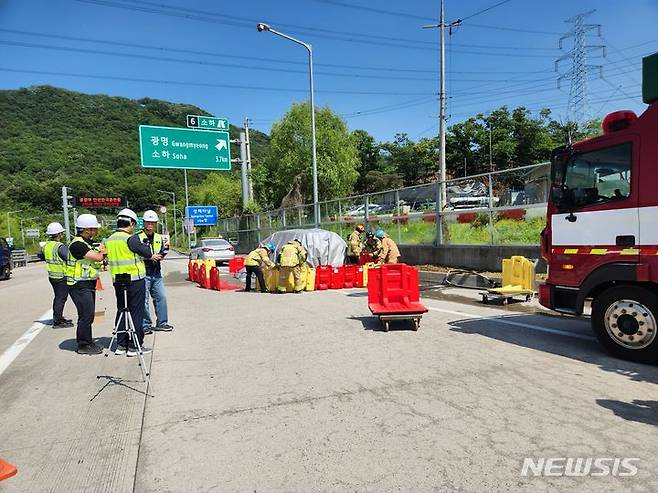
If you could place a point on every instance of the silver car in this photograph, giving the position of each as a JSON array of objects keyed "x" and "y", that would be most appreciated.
[{"x": 217, "y": 249}]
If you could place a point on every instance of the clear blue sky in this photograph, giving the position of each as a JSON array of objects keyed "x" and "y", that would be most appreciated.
[{"x": 216, "y": 44}]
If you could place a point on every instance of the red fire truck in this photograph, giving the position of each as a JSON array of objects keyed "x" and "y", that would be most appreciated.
[{"x": 601, "y": 237}]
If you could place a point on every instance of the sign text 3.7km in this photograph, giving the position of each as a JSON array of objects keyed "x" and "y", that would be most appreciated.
[{"x": 170, "y": 147}]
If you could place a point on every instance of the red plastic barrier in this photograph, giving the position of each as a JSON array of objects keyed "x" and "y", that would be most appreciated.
[
  {"x": 337, "y": 277},
  {"x": 236, "y": 264},
  {"x": 214, "y": 279},
  {"x": 195, "y": 273},
  {"x": 394, "y": 289},
  {"x": 358, "y": 281},
  {"x": 189, "y": 271},
  {"x": 322, "y": 277},
  {"x": 350, "y": 276},
  {"x": 204, "y": 277}
]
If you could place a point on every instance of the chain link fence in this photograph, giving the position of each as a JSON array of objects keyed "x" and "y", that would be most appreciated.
[{"x": 498, "y": 208}]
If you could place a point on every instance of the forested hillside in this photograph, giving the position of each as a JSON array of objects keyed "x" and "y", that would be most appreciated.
[{"x": 51, "y": 137}]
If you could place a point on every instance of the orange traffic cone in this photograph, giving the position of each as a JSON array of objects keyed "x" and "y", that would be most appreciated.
[
  {"x": 99, "y": 284},
  {"x": 7, "y": 470}
]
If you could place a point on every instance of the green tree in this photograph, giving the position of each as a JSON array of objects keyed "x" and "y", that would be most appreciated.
[
  {"x": 286, "y": 170},
  {"x": 415, "y": 162},
  {"x": 219, "y": 189},
  {"x": 369, "y": 159}
]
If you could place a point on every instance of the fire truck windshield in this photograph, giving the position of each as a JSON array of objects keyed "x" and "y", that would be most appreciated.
[{"x": 597, "y": 176}]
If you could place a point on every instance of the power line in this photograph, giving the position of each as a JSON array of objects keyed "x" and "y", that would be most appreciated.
[
  {"x": 308, "y": 31},
  {"x": 206, "y": 84},
  {"x": 239, "y": 57},
  {"x": 511, "y": 29},
  {"x": 484, "y": 10},
  {"x": 312, "y": 30},
  {"x": 217, "y": 64},
  {"x": 388, "y": 108},
  {"x": 246, "y": 24},
  {"x": 375, "y": 10}
]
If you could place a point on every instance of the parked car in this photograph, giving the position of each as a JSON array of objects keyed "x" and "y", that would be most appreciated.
[
  {"x": 217, "y": 249},
  {"x": 5, "y": 260},
  {"x": 361, "y": 210}
]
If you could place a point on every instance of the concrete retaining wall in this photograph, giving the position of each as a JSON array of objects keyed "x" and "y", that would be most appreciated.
[{"x": 473, "y": 257}]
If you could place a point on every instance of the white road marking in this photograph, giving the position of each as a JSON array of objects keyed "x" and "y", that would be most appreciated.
[
  {"x": 21, "y": 343},
  {"x": 499, "y": 319}
]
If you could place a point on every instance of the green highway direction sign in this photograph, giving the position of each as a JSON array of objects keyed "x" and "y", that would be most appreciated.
[
  {"x": 207, "y": 122},
  {"x": 170, "y": 147}
]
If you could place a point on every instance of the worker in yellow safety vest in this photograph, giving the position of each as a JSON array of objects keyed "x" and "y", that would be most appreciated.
[
  {"x": 83, "y": 264},
  {"x": 125, "y": 255},
  {"x": 291, "y": 259},
  {"x": 154, "y": 282},
  {"x": 354, "y": 245},
  {"x": 390, "y": 253},
  {"x": 55, "y": 254},
  {"x": 253, "y": 265}
]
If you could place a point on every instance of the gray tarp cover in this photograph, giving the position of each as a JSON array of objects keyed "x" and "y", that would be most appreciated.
[{"x": 323, "y": 247}]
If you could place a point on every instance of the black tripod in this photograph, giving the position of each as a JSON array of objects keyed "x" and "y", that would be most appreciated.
[{"x": 122, "y": 281}]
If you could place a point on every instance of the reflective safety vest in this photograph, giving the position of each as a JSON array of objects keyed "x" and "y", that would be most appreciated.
[
  {"x": 292, "y": 255},
  {"x": 156, "y": 246},
  {"x": 80, "y": 270},
  {"x": 121, "y": 259},
  {"x": 55, "y": 265},
  {"x": 256, "y": 257}
]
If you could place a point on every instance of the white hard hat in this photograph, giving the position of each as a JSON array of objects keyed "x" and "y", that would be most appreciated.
[
  {"x": 150, "y": 216},
  {"x": 87, "y": 221},
  {"x": 128, "y": 214},
  {"x": 54, "y": 229}
]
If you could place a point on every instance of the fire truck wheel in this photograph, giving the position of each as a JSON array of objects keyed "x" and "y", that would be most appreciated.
[{"x": 624, "y": 321}]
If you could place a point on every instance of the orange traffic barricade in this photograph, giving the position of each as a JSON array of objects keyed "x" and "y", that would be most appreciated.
[
  {"x": 7, "y": 470},
  {"x": 394, "y": 294},
  {"x": 214, "y": 279}
]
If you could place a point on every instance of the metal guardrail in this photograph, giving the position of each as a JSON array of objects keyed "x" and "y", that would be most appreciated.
[
  {"x": 415, "y": 215},
  {"x": 19, "y": 258}
]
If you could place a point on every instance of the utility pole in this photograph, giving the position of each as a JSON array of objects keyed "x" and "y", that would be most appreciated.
[
  {"x": 248, "y": 158},
  {"x": 578, "y": 73},
  {"x": 244, "y": 170},
  {"x": 65, "y": 210},
  {"x": 490, "y": 149},
  {"x": 442, "y": 97},
  {"x": 187, "y": 208}
]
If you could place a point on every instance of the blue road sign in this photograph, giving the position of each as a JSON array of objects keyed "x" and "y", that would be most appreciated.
[{"x": 202, "y": 215}]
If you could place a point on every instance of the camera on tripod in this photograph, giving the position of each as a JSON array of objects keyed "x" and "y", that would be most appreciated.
[{"x": 122, "y": 281}]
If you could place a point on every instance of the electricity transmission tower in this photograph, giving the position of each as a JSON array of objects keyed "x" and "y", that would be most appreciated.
[{"x": 578, "y": 73}]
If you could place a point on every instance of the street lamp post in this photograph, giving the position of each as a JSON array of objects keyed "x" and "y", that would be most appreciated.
[
  {"x": 265, "y": 27},
  {"x": 9, "y": 223},
  {"x": 173, "y": 194}
]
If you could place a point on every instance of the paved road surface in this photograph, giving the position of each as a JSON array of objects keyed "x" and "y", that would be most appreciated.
[{"x": 303, "y": 392}]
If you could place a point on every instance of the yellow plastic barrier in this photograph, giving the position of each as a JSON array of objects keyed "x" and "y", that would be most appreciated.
[
  {"x": 518, "y": 276},
  {"x": 366, "y": 268},
  {"x": 308, "y": 278},
  {"x": 271, "y": 275}
]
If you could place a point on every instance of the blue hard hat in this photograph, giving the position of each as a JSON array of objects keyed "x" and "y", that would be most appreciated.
[
  {"x": 270, "y": 247},
  {"x": 379, "y": 233}
]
